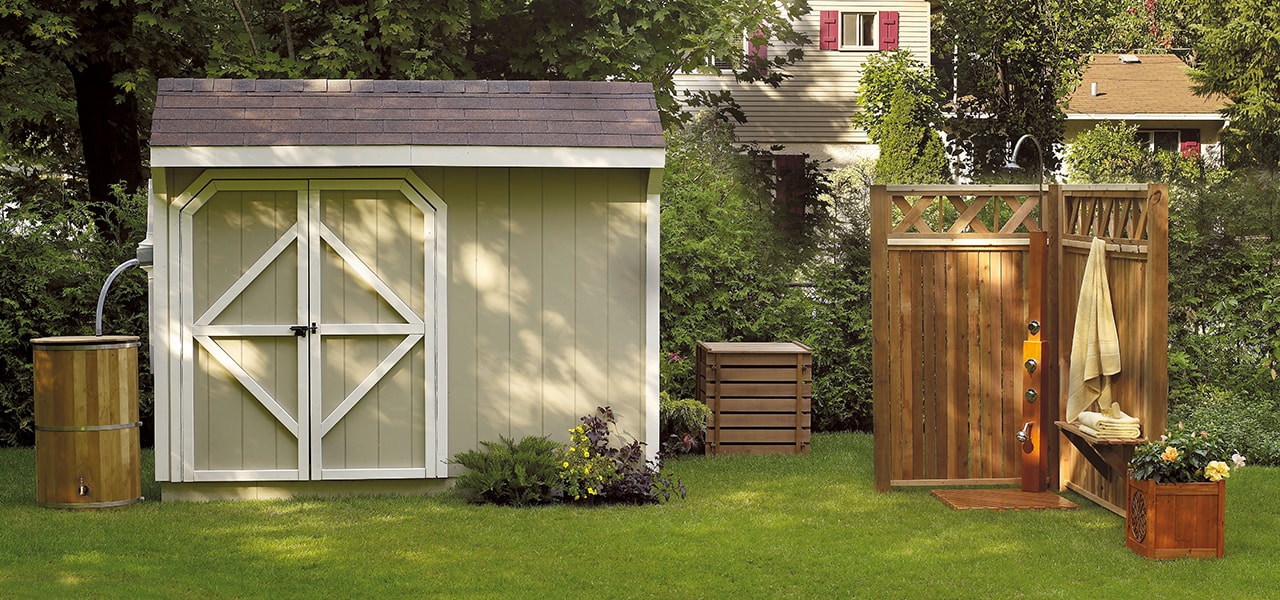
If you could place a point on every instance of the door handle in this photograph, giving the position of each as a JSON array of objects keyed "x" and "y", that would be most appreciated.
[{"x": 303, "y": 330}]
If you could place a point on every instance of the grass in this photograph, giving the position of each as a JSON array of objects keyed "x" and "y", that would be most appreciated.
[{"x": 751, "y": 527}]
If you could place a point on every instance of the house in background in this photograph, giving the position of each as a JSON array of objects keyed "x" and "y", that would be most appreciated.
[
  {"x": 1152, "y": 91},
  {"x": 811, "y": 112}
]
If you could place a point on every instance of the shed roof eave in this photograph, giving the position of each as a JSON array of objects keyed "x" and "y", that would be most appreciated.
[{"x": 407, "y": 156}]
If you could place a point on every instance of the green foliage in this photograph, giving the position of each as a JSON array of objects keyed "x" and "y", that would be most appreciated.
[
  {"x": 630, "y": 40},
  {"x": 1239, "y": 57},
  {"x": 1179, "y": 456},
  {"x": 1224, "y": 300},
  {"x": 507, "y": 472},
  {"x": 52, "y": 265},
  {"x": 1110, "y": 153},
  {"x": 1149, "y": 24},
  {"x": 726, "y": 266},
  {"x": 1012, "y": 63},
  {"x": 838, "y": 328},
  {"x": 682, "y": 424},
  {"x": 1247, "y": 424},
  {"x": 911, "y": 151},
  {"x": 882, "y": 75}
]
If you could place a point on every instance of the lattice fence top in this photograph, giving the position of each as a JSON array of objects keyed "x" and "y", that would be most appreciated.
[
  {"x": 965, "y": 210},
  {"x": 1113, "y": 215}
]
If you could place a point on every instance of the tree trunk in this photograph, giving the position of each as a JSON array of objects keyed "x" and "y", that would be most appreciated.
[{"x": 112, "y": 148}]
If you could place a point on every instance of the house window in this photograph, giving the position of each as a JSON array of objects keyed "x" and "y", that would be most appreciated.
[
  {"x": 857, "y": 31},
  {"x": 1152, "y": 140},
  {"x": 861, "y": 31}
]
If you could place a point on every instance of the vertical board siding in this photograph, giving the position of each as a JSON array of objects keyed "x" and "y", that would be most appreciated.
[{"x": 546, "y": 300}]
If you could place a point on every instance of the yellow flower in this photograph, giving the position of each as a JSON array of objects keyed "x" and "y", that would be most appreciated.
[
  {"x": 1217, "y": 471},
  {"x": 566, "y": 464},
  {"x": 591, "y": 491},
  {"x": 572, "y": 449},
  {"x": 585, "y": 454},
  {"x": 1170, "y": 454},
  {"x": 586, "y": 469}
]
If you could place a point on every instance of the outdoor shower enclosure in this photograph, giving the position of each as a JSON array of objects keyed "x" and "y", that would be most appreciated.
[{"x": 950, "y": 273}]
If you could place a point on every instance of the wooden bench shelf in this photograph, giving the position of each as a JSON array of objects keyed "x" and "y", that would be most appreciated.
[{"x": 1108, "y": 455}]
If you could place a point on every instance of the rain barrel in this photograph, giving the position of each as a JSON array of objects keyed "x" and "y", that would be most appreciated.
[{"x": 87, "y": 427}]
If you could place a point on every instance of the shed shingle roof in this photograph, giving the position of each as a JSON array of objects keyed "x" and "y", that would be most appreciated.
[
  {"x": 340, "y": 112},
  {"x": 1157, "y": 85}
]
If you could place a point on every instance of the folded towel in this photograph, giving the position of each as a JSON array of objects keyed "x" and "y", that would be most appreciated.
[
  {"x": 1087, "y": 430},
  {"x": 1113, "y": 413},
  {"x": 1108, "y": 427},
  {"x": 1095, "y": 420},
  {"x": 1128, "y": 435}
]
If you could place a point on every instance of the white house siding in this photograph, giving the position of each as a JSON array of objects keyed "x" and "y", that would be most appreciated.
[{"x": 811, "y": 111}]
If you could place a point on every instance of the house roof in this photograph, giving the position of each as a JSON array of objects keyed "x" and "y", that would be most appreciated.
[
  {"x": 1158, "y": 85},
  {"x": 332, "y": 113}
]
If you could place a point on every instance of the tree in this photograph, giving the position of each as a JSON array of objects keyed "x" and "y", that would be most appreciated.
[
  {"x": 99, "y": 57},
  {"x": 1013, "y": 61},
  {"x": 910, "y": 150},
  {"x": 630, "y": 40},
  {"x": 1239, "y": 55},
  {"x": 1155, "y": 24},
  {"x": 882, "y": 75}
]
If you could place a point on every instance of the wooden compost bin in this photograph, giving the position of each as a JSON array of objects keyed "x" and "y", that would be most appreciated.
[
  {"x": 86, "y": 404},
  {"x": 759, "y": 395}
]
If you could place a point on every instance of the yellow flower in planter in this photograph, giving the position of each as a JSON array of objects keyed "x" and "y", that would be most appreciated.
[
  {"x": 1217, "y": 471},
  {"x": 1170, "y": 454}
]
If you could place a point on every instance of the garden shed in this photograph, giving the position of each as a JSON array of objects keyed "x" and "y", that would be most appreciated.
[{"x": 356, "y": 280}]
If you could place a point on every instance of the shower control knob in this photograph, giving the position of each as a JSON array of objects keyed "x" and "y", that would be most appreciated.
[
  {"x": 1033, "y": 327},
  {"x": 1031, "y": 365},
  {"x": 1031, "y": 395}
]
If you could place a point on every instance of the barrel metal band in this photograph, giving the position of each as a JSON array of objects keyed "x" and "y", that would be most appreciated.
[
  {"x": 111, "y": 504},
  {"x": 86, "y": 346},
  {"x": 74, "y": 428}
]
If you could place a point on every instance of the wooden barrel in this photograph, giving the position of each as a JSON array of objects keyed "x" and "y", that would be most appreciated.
[{"x": 87, "y": 427}]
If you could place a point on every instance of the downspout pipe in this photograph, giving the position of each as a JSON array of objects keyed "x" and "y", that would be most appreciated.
[{"x": 102, "y": 296}]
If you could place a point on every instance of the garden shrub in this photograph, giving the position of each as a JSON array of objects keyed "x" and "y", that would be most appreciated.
[
  {"x": 637, "y": 480},
  {"x": 839, "y": 326},
  {"x": 516, "y": 473},
  {"x": 1248, "y": 425},
  {"x": 726, "y": 263},
  {"x": 683, "y": 424},
  {"x": 53, "y": 265},
  {"x": 1224, "y": 309}
]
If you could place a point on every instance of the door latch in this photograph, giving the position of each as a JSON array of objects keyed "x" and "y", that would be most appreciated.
[{"x": 303, "y": 330}]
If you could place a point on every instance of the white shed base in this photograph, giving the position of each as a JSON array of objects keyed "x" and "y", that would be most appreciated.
[{"x": 283, "y": 490}]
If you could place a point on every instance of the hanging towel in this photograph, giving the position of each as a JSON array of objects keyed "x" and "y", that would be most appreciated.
[{"x": 1095, "y": 345}]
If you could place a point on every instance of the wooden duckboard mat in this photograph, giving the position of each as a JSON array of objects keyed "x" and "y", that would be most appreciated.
[{"x": 1004, "y": 499}]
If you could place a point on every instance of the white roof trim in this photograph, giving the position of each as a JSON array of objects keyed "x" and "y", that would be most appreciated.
[
  {"x": 1145, "y": 117},
  {"x": 406, "y": 156}
]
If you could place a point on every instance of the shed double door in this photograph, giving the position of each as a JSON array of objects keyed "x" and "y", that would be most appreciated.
[{"x": 310, "y": 331}]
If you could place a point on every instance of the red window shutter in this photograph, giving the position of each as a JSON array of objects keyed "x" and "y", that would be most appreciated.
[
  {"x": 1190, "y": 143},
  {"x": 889, "y": 30},
  {"x": 829, "y": 34},
  {"x": 761, "y": 51}
]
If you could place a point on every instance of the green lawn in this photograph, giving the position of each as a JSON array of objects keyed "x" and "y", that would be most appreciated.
[{"x": 807, "y": 527}]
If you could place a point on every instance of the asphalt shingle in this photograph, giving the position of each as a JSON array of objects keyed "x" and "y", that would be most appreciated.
[{"x": 275, "y": 112}]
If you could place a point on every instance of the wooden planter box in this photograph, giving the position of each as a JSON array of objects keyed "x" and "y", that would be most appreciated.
[
  {"x": 759, "y": 394},
  {"x": 1175, "y": 520}
]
